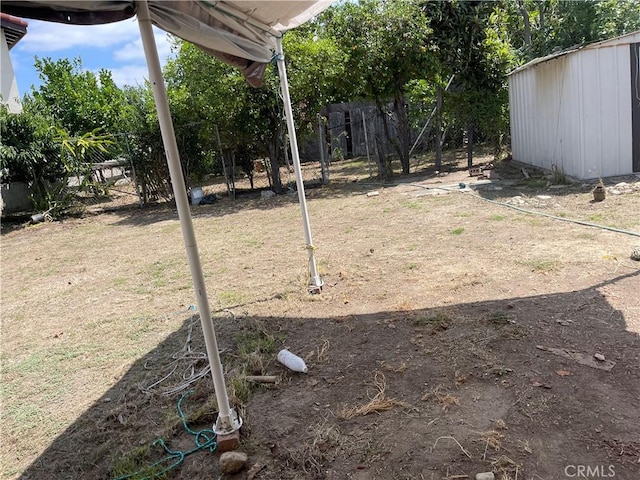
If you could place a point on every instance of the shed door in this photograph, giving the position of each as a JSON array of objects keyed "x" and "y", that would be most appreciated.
[{"x": 635, "y": 105}]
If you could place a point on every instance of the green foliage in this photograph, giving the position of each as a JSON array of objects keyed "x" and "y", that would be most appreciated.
[
  {"x": 144, "y": 145},
  {"x": 28, "y": 151},
  {"x": 79, "y": 100},
  {"x": 46, "y": 157},
  {"x": 387, "y": 44},
  {"x": 316, "y": 67},
  {"x": 207, "y": 94},
  {"x": 560, "y": 24},
  {"x": 393, "y": 52},
  {"x": 473, "y": 44}
]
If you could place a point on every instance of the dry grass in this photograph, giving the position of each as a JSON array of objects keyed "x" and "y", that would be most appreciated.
[
  {"x": 87, "y": 298},
  {"x": 501, "y": 424},
  {"x": 508, "y": 469},
  {"x": 398, "y": 368},
  {"x": 322, "y": 353},
  {"x": 492, "y": 438},
  {"x": 323, "y": 442},
  {"x": 444, "y": 399},
  {"x": 459, "y": 378},
  {"x": 379, "y": 403}
]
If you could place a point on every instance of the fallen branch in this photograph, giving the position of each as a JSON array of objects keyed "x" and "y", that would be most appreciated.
[{"x": 261, "y": 378}]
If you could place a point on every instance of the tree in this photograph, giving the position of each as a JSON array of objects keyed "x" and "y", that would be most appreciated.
[
  {"x": 251, "y": 120},
  {"x": 79, "y": 100},
  {"x": 554, "y": 25},
  {"x": 473, "y": 44},
  {"x": 144, "y": 144},
  {"x": 28, "y": 152},
  {"x": 211, "y": 95},
  {"x": 387, "y": 44},
  {"x": 45, "y": 157},
  {"x": 316, "y": 67}
]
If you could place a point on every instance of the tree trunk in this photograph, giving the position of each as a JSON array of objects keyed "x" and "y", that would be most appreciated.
[
  {"x": 381, "y": 160},
  {"x": 541, "y": 12},
  {"x": 527, "y": 23},
  {"x": 470, "y": 145},
  {"x": 271, "y": 147},
  {"x": 404, "y": 132},
  {"x": 439, "y": 128},
  {"x": 275, "y": 174},
  {"x": 274, "y": 151},
  {"x": 386, "y": 170}
]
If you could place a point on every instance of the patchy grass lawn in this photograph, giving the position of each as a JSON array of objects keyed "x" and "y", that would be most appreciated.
[{"x": 422, "y": 348}]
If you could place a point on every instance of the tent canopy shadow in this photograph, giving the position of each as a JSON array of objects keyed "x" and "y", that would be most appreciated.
[{"x": 453, "y": 371}]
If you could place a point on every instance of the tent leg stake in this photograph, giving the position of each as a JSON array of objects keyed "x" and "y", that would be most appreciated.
[
  {"x": 315, "y": 282},
  {"x": 228, "y": 420}
]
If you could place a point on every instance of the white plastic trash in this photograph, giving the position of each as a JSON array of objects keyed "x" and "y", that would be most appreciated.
[
  {"x": 196, "y": 195},
  {"x": 292, "y": 361},
  {"x": 38, "y": 217}
]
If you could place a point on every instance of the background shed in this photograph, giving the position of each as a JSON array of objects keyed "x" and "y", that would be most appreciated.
[{"x": 579, "y": 110}]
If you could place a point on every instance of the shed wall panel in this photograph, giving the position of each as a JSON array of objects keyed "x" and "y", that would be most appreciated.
[
  {"x": 634, "y": 51},
  {"x": 573, "y": 112},
  {"x": 591, "y": 133}
]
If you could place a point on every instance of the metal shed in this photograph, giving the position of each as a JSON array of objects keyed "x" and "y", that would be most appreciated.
[{"x": 578, "y": 110}]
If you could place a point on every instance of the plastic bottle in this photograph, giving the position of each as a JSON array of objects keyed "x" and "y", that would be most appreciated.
[{"x": 291, "y": 361}]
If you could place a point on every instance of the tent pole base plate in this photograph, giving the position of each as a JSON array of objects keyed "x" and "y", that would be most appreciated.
[{"x": 228, "y": 425}]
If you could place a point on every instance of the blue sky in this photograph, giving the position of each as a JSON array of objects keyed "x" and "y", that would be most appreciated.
[{"x": 115, "y": 46}]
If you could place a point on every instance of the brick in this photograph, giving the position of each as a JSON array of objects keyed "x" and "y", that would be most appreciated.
[{"x": 228, "y": 442}]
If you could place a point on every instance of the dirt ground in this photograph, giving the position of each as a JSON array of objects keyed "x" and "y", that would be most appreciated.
[{"x": 456, "y": 333}]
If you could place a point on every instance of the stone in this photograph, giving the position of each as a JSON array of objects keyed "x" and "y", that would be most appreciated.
[
  {"x": 267, "y": 194},
  {"x": 599, "y": 356},
  {"x": 485, "y": 476},
  {"x": 635, "y": 254},
  {"x": 228, "y": 442},
  {"x": 232, "y": 462}
]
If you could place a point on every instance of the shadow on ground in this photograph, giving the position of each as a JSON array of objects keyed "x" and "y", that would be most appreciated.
[{"x": 463, "y": 389}]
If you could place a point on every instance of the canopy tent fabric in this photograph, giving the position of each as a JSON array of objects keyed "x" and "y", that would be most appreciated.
[
  {"x": 245, "y": 34},
  {"x": 240, "y": 33}
]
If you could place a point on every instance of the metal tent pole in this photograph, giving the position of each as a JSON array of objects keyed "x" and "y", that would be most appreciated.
[
  {"x": 228, "y": 421},
  {"x": 315, "y": 282}
]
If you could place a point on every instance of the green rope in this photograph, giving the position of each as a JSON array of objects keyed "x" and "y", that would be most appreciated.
[{"x": 204, "y": 440}]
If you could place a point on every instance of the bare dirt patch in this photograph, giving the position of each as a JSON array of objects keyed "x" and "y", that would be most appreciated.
[{"x": 432, "y": 350}]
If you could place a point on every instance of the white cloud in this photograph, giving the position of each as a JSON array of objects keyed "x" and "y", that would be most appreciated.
[
  {"x": 133, "y": 50},
  {"x": 129, "y": 75},
  {"x": 46, "y": 37},
  {"x": 130, "y": 66},
  {"x": 115, "y": 46}
]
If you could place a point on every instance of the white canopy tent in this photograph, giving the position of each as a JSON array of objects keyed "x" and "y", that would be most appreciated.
[{"x": 245, "y": 34}]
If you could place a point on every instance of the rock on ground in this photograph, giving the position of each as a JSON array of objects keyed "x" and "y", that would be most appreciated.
[{"x": 232, "y": 462}]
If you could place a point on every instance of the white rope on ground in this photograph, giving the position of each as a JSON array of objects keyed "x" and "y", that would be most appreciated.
[
  {"x": 184, "y": 363},
  {"x": 532, "y": 212},
  {"x": 554, "y": 217}
]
